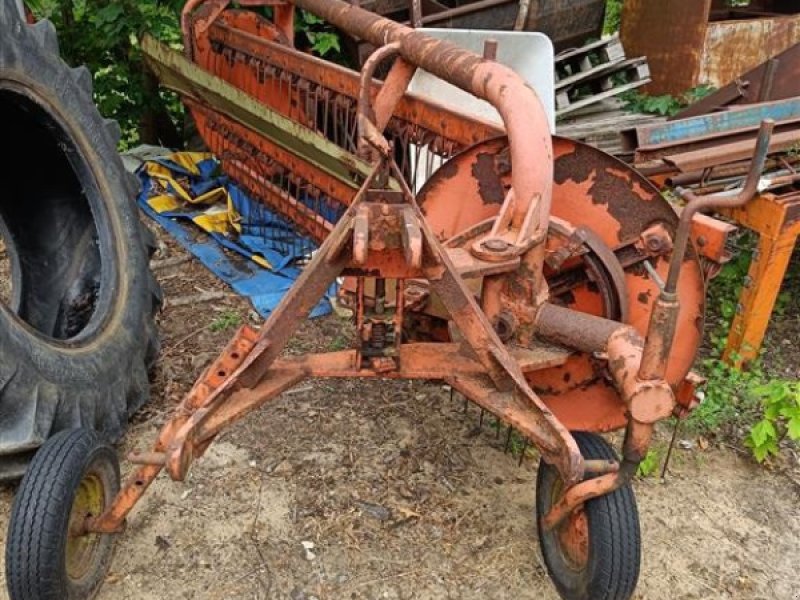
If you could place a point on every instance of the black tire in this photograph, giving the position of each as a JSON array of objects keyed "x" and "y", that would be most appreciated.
[
  {"x": 43, "y": 562},
  {"x": 77, "y": 333},
  {"x": 608, "y": 567}
]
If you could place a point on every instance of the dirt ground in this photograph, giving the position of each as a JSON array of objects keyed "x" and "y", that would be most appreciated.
[{"x": 390, "y": 490}]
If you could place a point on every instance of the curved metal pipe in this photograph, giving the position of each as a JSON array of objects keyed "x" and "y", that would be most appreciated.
[
  {"x": 520, "y": 108},
  {"x": 698, "y": 204},
  {"x": 367, "y": 129}
]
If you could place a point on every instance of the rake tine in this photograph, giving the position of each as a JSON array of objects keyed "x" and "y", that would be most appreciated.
[
  {"x": 522, "y": 454},
  {"x": 508, "y": 440},
  {"x": 671, "y": 446},
  {"x": 480, "y": 421},
  {"x": 452, "y": 392},
  {"x": 497, "y": 428}
]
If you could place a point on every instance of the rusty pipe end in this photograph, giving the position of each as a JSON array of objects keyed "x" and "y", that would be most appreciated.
[{"x": 648, "y": 401}]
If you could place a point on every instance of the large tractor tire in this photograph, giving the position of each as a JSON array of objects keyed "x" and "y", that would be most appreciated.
[{"x": 77, "y": 331}]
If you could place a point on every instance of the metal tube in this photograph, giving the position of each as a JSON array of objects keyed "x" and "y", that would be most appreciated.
[
  {"x": 520, "y": 108},
  {"x": 367, "y": 131},
  {"x": 648, "y": 400},
  {"x": 574, "y": 329},
  {"x": 703, "y": 204}
]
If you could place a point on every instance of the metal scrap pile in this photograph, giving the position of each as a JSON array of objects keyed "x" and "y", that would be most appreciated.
[
  {"x": 712, "y": 151},
  {"x": 706, "y": 148}
]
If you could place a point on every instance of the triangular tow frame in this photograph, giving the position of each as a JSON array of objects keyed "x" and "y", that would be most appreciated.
[
  {"x": 383, "y": 235},
  {"x": 250, "y": 371}
]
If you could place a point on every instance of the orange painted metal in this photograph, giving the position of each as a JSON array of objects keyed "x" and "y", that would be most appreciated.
[
  {"x": 776, "y": 219},
  {"x": 514, "y": 244},
  {"x": 595, "y": 191}
]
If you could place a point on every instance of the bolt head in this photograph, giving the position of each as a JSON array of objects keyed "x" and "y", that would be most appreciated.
[
  {"x": 653, "y": 244},
  {"x": 495, "y": 245}
]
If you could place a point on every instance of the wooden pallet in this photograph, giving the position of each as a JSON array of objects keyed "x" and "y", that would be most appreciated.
[
  {"x": 579, "y": 62},
  {"x": 595, "y": 72}
]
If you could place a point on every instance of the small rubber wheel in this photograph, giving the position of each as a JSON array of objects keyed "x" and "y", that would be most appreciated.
[
  {"x": 594, "y": 554},
  {"x": 74, "y": 475}
]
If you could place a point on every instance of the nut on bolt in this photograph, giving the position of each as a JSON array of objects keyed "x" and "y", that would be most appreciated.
[
  {"x": 495, "y": 245},
  {"x": 656, "y": 240}
]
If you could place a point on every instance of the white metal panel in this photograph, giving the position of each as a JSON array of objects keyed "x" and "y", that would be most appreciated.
[{"x": 529, "y": 54}]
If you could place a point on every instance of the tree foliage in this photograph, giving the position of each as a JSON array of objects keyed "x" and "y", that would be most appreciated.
[
  {"x": 613, "y": 18},
  {"x": 104, "y": 35}
]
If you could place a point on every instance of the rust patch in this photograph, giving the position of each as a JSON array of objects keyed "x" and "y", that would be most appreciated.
[
  {"x": 644, "y": 297},
  {"x": 628, "y": 198},
  {"x": 576, "y": 166},
  {"x": 490, "y": 186},
  {"x": 632, "y": 211}
]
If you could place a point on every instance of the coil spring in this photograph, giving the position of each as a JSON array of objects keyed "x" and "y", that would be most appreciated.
[{"x": 379, "y": 336}]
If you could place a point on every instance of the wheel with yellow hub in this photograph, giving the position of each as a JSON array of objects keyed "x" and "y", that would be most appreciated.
[{"x": 73, "y": 476}]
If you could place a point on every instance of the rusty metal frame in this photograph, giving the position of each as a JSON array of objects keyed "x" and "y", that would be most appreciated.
[{"x": 383, "y": 235}]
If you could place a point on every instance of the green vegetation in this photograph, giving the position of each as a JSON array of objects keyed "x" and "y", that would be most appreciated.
[
  {"x": 650, "y": 464},
  {"x": 613, "y": 16},
  {"x": 320, "y": 37},
  {"x": 666, "y": 105},
  {"x": 780, "y": 401},
  {"x": 227, "y": 320},
  {"x": 104, "y": 36},
  {"x": 751, "y": 404}
]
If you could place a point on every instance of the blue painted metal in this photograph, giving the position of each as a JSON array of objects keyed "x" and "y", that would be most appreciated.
[{"x": 717, "y": 124}]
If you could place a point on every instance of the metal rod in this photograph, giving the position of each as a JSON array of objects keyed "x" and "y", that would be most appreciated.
[
  {"x": 703, "y": 204},
  {"x": 416, "y": 13},
  {"x": 671, "y": 446}
]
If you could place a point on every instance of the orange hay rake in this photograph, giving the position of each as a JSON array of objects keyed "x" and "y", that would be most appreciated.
[{"x": 547, "y": 282}]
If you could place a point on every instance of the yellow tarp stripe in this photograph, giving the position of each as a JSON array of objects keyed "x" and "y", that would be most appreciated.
[
  {"x": 164, "y": 203},
  {"x": 221, "y": 215}
]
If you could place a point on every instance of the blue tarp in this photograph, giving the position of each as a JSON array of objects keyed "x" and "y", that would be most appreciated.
[{"x": 261, "y": 236}]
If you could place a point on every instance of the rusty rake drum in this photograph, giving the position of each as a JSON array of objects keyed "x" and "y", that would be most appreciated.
[{"x": 547, "y": 282}]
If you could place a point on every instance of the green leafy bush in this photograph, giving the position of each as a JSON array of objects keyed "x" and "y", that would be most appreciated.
[
  {"x": 104, "y": 35},
  {"x": 780, "y": 400},
  {"x": 666, "y": 105}
]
